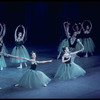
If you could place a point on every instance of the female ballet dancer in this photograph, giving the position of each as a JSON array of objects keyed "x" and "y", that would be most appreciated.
[
  {"x": 19, "y": 49},
  {"x": 2, "y": 60},
  {"x": 2, "y": 34},
  {"x": 77, "y": 28},
  {"x": 32, "y": 78},
  {"x": 68, "y": 69},
  {"x": 64, "y": 42},
  {"x": 88, "y": 43}
]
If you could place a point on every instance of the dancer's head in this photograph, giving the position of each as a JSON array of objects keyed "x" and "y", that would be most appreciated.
[
  {"x": 33, "y": 54},
  {"x": 74, "y": 34},
  {"x": 65, "y": 49},
  {"x": 87, "y": 27},
  {"x": 19, "y": 34},
  {"x": 77, "y": 28}
]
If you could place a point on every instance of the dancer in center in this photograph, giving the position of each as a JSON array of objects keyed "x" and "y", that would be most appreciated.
[
  {"x": 32, "y": 78},
  {"x": 19, "y": 49},
  {"x": 68, "y": 69},
  {"x": 72, "y": 42}
]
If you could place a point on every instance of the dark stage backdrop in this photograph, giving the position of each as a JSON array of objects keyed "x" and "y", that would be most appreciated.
[{"x": 44, "y": 19}]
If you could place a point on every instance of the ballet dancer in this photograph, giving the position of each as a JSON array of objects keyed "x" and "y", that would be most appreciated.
[
  {"x": 19, "y": 49},
  {"x": 32, "y": 78},
  {"x": 68, "y": 69}
]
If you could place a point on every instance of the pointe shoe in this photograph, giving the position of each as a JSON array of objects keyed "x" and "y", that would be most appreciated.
[
  {"x": 1, "y": 68},
  {"x": 20, "y": 67},
  {"x": 16, "y": 85},
  {"x": 44, "y": 85},
  {"x": 86, "y": 56},
  {"x": 91, "y": 54}
]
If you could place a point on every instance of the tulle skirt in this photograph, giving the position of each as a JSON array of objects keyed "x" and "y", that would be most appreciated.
[
  {"x": 64, "y": 43},
  {"x": 2, "y": 62},
  {"x": 89, "y": 45},
  {"x": 20, "y": 51},
  {"x": 33, "y": 79},
  {"x": 4, "y": 49},
  {"x": 69, "y": 71}
]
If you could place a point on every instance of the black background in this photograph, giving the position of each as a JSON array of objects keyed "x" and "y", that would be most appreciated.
[{"x": 44, "y": 19}]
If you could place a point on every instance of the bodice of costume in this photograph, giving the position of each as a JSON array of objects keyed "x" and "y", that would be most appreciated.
[
  {"x": 79, "y": 35},
  {"x": 67, "y": 62},
  {"x": 86, "y": 35},
  {"x": 19, "y": 43},
  {"x": 33, "y": 66},
  {"x": 72, "y": 46}
]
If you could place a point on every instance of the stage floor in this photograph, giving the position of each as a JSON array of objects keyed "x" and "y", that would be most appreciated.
[{"x": 87, "y": 86}]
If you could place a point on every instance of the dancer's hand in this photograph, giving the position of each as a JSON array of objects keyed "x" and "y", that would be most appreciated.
[{"x": 50, "y": 60}]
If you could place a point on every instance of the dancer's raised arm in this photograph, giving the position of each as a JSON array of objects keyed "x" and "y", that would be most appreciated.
[
  {"x": 83, "y": 25},
  {"x": 90, "y": 25},
  {"x": 1, "y": 29},
  {"x": 16, "y": 32},
  {"x": 31, "y": 60},
  {"x": 23, "y": 32},
  {"x": 66, "y": 28},
  {"x": 4, "y": 30},
  {"x": 78, "y": 50}
]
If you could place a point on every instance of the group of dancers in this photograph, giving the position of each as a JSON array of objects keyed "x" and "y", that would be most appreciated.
[
  {"x": 81, "y": 34},
  {"x": 19, "y": 49},
  {"x": 68, "y": 69}
]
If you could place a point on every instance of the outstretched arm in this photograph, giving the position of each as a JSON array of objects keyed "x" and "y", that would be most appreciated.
[
  {"x": 9, "y": 55},
  {"x": 24, "y": 58},
  {"x": 78, "y": 50},
  {"x": 44, "y": 61}
]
